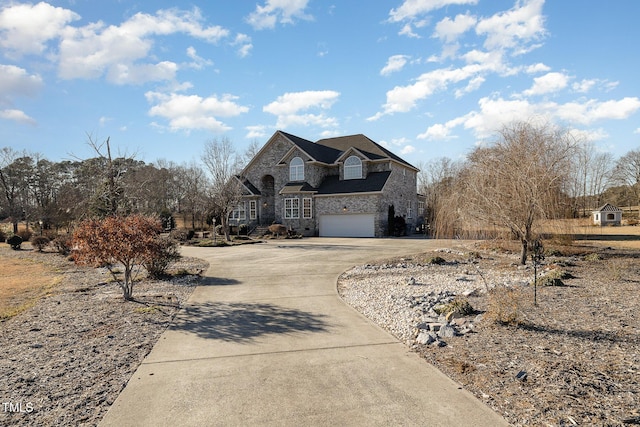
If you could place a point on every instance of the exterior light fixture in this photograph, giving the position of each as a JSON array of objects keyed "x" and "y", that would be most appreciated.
[{"x": 344, "y": 209}]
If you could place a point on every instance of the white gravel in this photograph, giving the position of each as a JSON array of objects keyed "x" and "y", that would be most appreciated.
[{"x": 386, "y": 293}]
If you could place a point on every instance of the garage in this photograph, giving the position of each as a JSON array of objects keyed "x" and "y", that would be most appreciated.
[{"x": 347, "y": 225}]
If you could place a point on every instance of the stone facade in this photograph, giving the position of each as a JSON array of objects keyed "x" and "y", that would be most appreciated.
[{"x": 298, "y": 204}]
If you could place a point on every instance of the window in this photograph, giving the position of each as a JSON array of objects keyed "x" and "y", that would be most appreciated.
[
  {"x": 292, "y": 208},
  {"x": 353, "y": 168},
  {"x": 253, "y": 209},
  {"x": 610, "y": 217},
  {"x": 306, "y": 208},
  {"x": 239, "y": 212},
  {"x": 409, "y": 209},
  {"x": 296, "y": 169},
  {"x": 420, "y": 207}
]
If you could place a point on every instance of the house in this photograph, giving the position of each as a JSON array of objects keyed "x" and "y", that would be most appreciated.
[
  {"x": 340, "y": 186},
  {"x": 607, "y": 215}
]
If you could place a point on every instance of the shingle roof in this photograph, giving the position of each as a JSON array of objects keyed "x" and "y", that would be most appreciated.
[
  {"x": 297, "y": 187},
  {"x": 319, "y": 152},
  {"x": 608, "y": 207},
  {"x": 375, "y": 181},
  {"x": 249, "y": 186},
  {"x": 362, "y": 143}
]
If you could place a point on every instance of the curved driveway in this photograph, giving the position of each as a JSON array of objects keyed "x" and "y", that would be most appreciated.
[{"x": 267, "y": 341}]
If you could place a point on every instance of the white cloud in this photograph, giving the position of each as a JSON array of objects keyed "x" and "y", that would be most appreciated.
[
  {"x": 474, "y": 84},
  {"x": 550, "y": 82},
  {"x": 410, "y": 9},
  {"x": 449, "y": 30},
  {"x": 515, "y": 28},
  {"x": 244, "y": 43},
  {"x": 537, "y": 68},
  {"x": 26, "y": 28},
  {"x": 407, "y": 149},
  {"x": 495, "y": 112},
  {"x": 189, "y": 112},
  {"x": 256, "y": 132},
  {"x": 290, "y": 108},
  {"x": 401, "y": 99},
  {"x": 16, "y": 81},
  {"x": 394, "y": 63},
  {"x": 198, "y": 62},
  {"x": 17, "y": 116},
  {"x": 120, "y": 51},
  {"x": 277, "y": 11},
  {"x": 592, "y": 110}
]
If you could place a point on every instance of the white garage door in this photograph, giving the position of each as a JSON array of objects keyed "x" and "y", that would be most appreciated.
[{"x": 354, "y": 225}]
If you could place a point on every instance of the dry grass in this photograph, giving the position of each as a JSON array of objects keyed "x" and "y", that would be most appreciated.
[{"x": 23, "y": 282}]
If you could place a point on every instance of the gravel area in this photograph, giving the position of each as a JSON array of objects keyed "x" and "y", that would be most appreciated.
[
  {"x": 572, "y": 359},
  {"x": 64, "y": 361}
]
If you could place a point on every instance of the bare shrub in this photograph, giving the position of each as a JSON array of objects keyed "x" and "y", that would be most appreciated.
[
  {"x": 40, "y": 242},
  {"x": 505, "y": 306}
]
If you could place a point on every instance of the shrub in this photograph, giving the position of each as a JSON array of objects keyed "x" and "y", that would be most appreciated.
[
  {"x": 504, "y": 306},
  {"x": 15, "y": 241},
  {"x": 40, "y": 242},
  {"x": 62, "y": 244},
  {"x": 25, "y": 235},
  {"x": 592, "y": 257},
  {"x": 117, "y": 241},
  {"x": 179, "y": 235},
  {"x": 436, "y": 260},
  {"x": 3, "y": 236},
  {"x": 162, "y": 252},
  {"x": 459, "y": 305}
]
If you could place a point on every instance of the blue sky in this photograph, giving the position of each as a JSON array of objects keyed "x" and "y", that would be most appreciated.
[{"x": 426, "y": 78}]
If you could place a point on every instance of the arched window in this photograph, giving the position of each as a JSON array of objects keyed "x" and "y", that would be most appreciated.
[
  {"x": 296, "y": 169},
  {"x": 353, "y": 168}
]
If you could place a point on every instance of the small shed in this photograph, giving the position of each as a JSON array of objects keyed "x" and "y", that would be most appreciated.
[{"x": 607, "y": 215}]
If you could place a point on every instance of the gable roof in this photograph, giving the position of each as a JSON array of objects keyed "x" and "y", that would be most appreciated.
[
  {"x": 363, "y": 144},
  {"x": 374, "y": 181},
  {"x": 316, "y": 151},
  {"x": 608, "y": 207}
]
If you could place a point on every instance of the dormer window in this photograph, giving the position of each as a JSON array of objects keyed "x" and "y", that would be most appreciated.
[
  {"x": 296, "y": 169},
  {"x": 353, "y": 168}
]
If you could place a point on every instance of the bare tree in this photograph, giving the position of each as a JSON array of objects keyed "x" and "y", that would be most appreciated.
[
  {"x": 437, "y": 181},
  {"x": 223, "y": 164},
  {"x": 251, "y": 152},
  {"x": 627, "y": 172},
  {"x": 518, "y": 180}
]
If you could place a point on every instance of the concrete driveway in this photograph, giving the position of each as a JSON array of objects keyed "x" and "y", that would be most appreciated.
[{"x": 267, "y": 341}]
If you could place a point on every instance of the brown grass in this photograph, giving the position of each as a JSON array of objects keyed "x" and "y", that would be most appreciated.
[{"x": 22, "y": 283}]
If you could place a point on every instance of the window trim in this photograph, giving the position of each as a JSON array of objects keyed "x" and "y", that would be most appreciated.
[
  {"x": 306, "y": 208},
  {"x": 296, "y": 171},
  {"x": 253, "y": 209},
  {"x": 353, "y": 167},
  {"x": 292, "y": 208},
  {"x": 409, "y": 209},
  {"x": 239, "y": 212}
]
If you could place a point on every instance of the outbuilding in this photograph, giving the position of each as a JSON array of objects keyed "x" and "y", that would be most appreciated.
[{"x": 607, "y": 215}]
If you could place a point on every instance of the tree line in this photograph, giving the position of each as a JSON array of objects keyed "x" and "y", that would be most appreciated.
[
  {"x": 56, "y": 195},
  {"x": 529, "y": 173}
]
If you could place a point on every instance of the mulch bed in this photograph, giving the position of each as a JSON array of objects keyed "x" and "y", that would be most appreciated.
[{"x": 575, "y": 357}]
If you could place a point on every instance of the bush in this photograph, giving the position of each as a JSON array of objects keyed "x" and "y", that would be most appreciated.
[
  {"x": 436, "y": 260},
  {"x": 504, "y": 306},
  {"x": 62, "y": 244},
  {"x": 3, "y": 236},
  {"x": 40, "y": 242},
  {"x": 15, "y": 241},
  {"x": 162, "y": 252},
  {"x": 459, "y": 305},
  {"x": 179, "y": 235},
  {"x": 25, "y": 235}
]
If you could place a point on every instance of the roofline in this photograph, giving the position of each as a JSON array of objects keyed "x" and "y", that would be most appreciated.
[{"x": 365, "y": 193}]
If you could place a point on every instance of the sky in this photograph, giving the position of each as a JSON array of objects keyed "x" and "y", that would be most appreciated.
[{"x": 425, "y": 78}]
